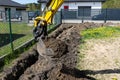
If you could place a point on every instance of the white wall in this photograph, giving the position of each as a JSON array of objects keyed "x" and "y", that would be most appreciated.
[
  {"x": 43, "y": 6},
  {"x": 94, "y": 5},
  {"x": 74, "y": 5}
]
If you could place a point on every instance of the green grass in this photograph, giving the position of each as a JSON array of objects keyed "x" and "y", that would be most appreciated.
[
  {"x": 9, "y": 58},
  {"x": 21, "y": 34},
  {"x": 17, "y": 29},
  {"x": 101, "y": 32}
]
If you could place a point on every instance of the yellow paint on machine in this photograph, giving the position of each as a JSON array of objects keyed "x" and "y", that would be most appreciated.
[{"x": 49, "y": 11}]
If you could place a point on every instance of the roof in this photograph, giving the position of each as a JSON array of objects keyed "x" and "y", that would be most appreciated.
[
  {"x": 11, "y": 3},
  {"x": 43, "y": 1}
]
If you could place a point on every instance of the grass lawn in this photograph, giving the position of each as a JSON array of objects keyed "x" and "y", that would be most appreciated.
[
  {"x": 21, "y": 34},
  {"x": 100, "y": 53},
  {"x": 101, "y": 32}
]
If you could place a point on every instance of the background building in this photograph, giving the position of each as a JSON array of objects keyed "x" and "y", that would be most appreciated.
[{"x": 77, "y": 4}]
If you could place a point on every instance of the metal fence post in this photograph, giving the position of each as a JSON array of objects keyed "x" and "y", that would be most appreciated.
[
  {"x": 10, "y": 28},
  {"x": 61, "y": 16},
  {"x": 83, "y": 16},
  {"x": 105, "y": 15}
]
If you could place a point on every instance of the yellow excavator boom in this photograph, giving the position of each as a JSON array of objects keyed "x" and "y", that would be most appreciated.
[
  {"x": 41, "y": 22},
  {"x": 51, "y": 8}
]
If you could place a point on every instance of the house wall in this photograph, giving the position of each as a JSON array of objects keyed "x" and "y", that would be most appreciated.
[
  {"x": 74, "y": 5},
  {"x": 4, "y": 15},
  {"x": 13, "y": 10},
  {"x": 1, "y": 13},
  {"x": 43, "y": 6},
  {"x": 1, "y": 8}
]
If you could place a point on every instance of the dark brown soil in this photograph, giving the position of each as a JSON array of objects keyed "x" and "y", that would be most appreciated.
[
  {"x": 59, "y": 47},
  {"x": 64, "y": 42},
  {"x": 20, "y": 65}
]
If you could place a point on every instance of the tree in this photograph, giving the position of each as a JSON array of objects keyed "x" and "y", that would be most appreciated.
[
  {"x": 111, "y": 4},
  {"x": 33, "y": 6}
]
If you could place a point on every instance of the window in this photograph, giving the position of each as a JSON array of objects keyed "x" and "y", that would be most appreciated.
[
  {"x": 66, "y": 7},
  {"x": 84, "y": 11}
]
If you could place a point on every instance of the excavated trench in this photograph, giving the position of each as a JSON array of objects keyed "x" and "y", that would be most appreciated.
[
  {"x": 20, "y": 65},
  {"x": 64, "y": 42}
]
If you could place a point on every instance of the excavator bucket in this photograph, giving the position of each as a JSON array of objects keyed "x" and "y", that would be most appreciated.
[{"x": 42, "y": 50}]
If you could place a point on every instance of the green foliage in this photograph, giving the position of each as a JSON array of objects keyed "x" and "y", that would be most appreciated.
[
  {"x": 111, "y": 4},
  {"x": 33, "y": 7},
  {"x": 101, "y": 32},
  {"x": 51, "y": 26}
]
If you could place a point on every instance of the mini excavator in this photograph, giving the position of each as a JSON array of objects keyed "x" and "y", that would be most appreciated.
[{"x": 41, "y": 23}]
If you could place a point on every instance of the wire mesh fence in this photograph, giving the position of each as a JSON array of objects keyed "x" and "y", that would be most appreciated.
[
  {"x": 5, "y": 46},
  {"x": 56, "y": 20},
  {"x": 91, "y": 14},
  {"x": 14, "y": 32}
]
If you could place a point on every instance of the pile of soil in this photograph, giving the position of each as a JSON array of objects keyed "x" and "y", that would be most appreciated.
[
  {"x": 62, "y": 65},
  {"x": 59, "y": 47},
  {"x": 64, "y": 42}
]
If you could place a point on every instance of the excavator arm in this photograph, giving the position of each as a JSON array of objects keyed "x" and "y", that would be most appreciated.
[{"x": 41, "y": 22}]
